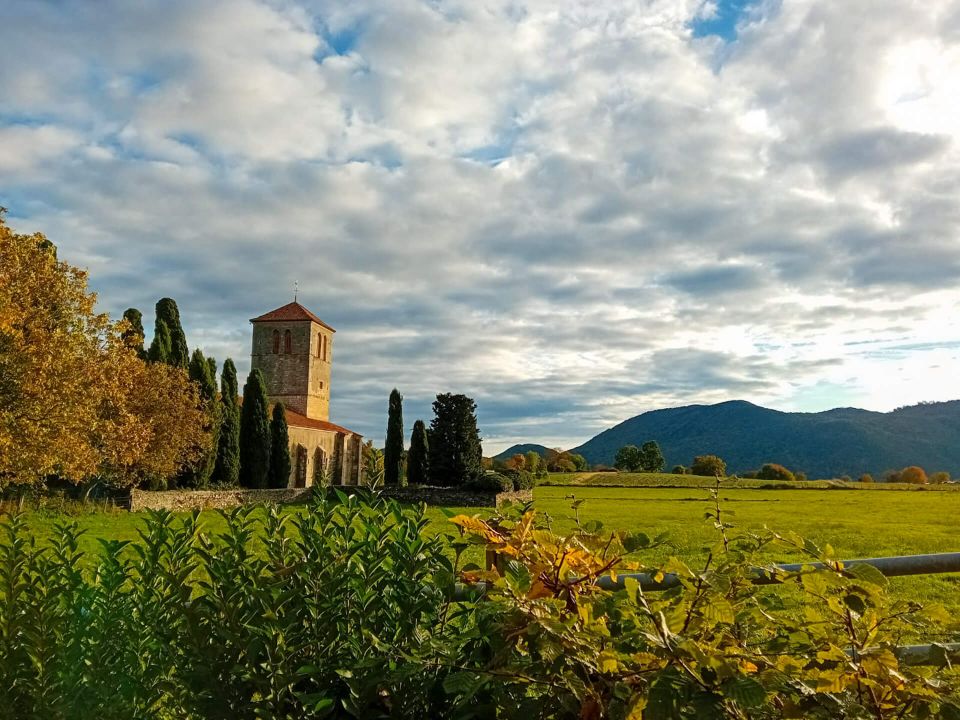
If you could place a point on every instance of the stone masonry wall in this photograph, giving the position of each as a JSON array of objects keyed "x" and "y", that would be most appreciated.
[
  {"x": 448, "y": 497},
  {"x": 186, "y": 500}
]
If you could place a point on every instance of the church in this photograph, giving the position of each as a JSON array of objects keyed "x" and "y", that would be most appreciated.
[{"x": 293, "y": 349}]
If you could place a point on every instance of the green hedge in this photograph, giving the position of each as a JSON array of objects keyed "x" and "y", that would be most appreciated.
[{"x": 344, "y": 609}]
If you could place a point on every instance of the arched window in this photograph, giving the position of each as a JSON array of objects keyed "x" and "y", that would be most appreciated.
[
  {"x": 324, "y": 347},
  {"x": 319, "y": 344},
  {"x": 287, "y": 342},
  {"x": 276, "y": 341}
]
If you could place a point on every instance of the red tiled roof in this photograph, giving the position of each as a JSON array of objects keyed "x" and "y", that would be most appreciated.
[
  {"x": 291, "y": 312},
  {"x": 298, "y": 420}
]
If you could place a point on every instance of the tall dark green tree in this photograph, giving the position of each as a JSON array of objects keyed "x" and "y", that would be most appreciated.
[
  {"x": 134, "y": 335},
  {"x": 168, "y": 313},
  {"x": 227, "y": 470},
  {"x": 279, "y": 476},
  {"x": 418, "y": 455},
  {"x": 159, "y": 351},
  {"x": 254, "y": 433},
  {"x": 455, "y": 452},
  {"x": 393, "y": 449},
  {"x": 200, "y": 474},
  {"x": 653, "y": 461}
]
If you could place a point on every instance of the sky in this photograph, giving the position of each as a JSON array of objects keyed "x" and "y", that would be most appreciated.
[{"x": 573, "y": 211}]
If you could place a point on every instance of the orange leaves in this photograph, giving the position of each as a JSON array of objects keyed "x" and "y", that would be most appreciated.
[
  {"x": 74, "y": 400},
  {"x": 478, "y": 527},
  {"x": 557, "y": 566}
]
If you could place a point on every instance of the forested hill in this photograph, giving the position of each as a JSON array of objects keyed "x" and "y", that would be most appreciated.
[
  {"x": 845, "y": 441},
  {"x": 523, "y": 449}
]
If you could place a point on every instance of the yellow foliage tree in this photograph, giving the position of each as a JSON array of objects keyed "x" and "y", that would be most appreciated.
[
  {"x": 75, "y": 401},
  {"x": 914, "y": 475}
]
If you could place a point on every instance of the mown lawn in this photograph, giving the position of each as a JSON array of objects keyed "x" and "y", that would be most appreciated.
[{"x": 856, "y": 524}]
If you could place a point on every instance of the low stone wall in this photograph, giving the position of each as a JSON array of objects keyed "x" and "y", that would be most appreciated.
[
  {"x": 448, "y": 496},
  {"x": 183, "y": 500},
  {"x": 186, "y": 500}
]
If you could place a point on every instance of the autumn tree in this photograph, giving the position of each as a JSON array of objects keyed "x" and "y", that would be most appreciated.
[
  {"x": 254, "y": 433},
  {"x": 417, "y": 465},
  {"x": 168, "y": 313},
  {"x": 76, "y": 401},
  {"x": 154, "y": 423},
  {"x": 393, "y": 447},
  {"x": 455, "y": 449},
  {"x": 227, "y": 469},
  {"x": 279, "y": 474},
  {"x": 515, "y": 462},
  {"x": 914, "y": 475}
]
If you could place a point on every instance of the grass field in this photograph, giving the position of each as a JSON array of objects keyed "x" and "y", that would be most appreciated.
[
  {"x": 614, "y": 479},
  {"x": 856, "y": 524}
]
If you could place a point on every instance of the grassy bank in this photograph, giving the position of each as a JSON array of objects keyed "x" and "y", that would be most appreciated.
[{"x": 665, "y": 480}]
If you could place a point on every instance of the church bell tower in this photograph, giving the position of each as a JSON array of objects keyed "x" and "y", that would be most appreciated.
[{"x": 293, "y": 348}]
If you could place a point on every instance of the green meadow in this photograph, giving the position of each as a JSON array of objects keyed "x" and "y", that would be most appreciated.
[{"x": 855, "y": 524}]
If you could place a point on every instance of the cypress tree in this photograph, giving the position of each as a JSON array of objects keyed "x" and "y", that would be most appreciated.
[
  {"x": 393, "y": 450},
  {"x": 417, "y": 467},
  {"x": 254, "y": 433},
  {"x": 199, "y": 371},
  {"x": 279, "y": 449},
  {"x": 168, "y": 312},
  {"x": 134, "y": 335},
  {"x": 159, "y": 351},
  {"x": 227, "y": 470},
  {"x": 455, "y": 452}
]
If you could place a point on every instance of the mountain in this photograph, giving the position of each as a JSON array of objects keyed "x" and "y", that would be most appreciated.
[
  {"x": 844, "y": 441},
  {"x": 522, "y": 449}
]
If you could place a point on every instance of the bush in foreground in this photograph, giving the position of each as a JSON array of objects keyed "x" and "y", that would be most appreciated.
[{"x": 347, "y": 610}]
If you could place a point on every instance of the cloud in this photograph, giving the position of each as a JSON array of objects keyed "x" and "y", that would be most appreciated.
[{"x": 573, "y": 211}]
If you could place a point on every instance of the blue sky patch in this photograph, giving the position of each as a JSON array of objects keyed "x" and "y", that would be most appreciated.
[{"x": 724, "y": 23}]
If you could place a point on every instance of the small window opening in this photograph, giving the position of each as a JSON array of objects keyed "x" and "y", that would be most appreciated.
[
  {"x": 276, "y": 342},
  {"x": 287, "y": 342}
]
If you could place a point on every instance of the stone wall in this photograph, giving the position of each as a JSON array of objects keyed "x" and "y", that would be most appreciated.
[
  {"x": 448, "y": 497},
  {"x": 185, "y": 500}
]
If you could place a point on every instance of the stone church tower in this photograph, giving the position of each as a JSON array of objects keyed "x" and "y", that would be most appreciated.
[{"x": 293, "y": 348}]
